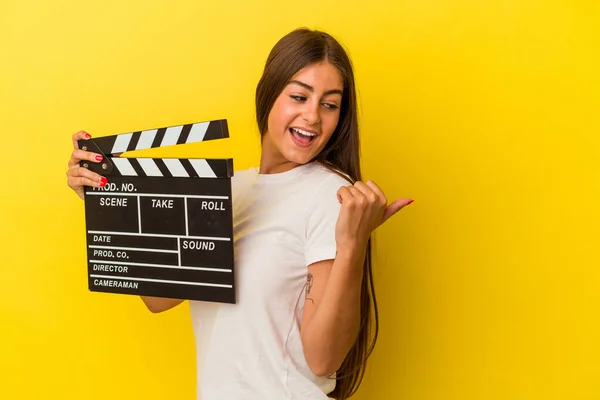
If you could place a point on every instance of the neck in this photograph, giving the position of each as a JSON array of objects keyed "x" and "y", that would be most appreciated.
[
  {"x": 272, "y": 162},
  {"x": 270, "y": 166}
]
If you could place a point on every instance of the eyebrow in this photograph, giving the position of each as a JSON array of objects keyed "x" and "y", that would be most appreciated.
[{"x": 312, "y": 89}]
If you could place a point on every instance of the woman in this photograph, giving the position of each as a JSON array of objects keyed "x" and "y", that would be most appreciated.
[{"x": 302, "y": 327}]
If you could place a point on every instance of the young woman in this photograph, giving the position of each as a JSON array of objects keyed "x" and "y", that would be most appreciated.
[{"x": 303, "y": 324}]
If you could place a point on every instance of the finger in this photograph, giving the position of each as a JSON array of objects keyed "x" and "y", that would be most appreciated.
[
  {"x": 377, "y": 191},
  {"x": 81, "y": 155},
  {"x": 81, "y": 135},
  {"x": 395, "y": 207},
  {"x": 79, "y": 181},
  {"x": 344, "y": 195},
  {"x": 82, "y": 172},
  {"x": 366, "y": 191},
  {"x": 358, "y": 196}
]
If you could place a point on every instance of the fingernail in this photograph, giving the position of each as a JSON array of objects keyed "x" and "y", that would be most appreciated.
[
  {"x": 102, "y": 184},
  {"x": 98, "y": 158},
  {"x": 103, "y": 180},
  {"x": 88, "y": 136},
  {"x": 410, "y": 202}
]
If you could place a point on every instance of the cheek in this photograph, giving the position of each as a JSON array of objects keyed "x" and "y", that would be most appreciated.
[
  {"x": 277, "y": 118},
  {"x": 330, "y": 122}
]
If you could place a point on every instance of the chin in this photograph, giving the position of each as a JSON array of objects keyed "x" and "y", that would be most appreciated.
[{"x": 296, "y": 158}]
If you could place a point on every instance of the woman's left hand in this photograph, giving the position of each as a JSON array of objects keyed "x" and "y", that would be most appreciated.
[{"x": 364, "y": 208}]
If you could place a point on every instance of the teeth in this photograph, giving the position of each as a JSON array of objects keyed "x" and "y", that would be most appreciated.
[{"x": 303, "y": 132}]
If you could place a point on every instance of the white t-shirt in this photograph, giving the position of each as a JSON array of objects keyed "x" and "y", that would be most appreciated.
[{"x": 252, "y": 350}]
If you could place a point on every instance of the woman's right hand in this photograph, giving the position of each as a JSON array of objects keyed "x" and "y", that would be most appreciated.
[{"x": 77, "y": 176}]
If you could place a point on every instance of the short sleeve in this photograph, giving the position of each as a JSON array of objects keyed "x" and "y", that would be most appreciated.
[{"x": 320, "y": 228}]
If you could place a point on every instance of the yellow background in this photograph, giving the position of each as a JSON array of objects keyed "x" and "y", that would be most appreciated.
[{"x": 485, "y": 112}]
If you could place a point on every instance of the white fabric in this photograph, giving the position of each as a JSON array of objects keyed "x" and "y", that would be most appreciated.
[{"x": 252, "y": 350}]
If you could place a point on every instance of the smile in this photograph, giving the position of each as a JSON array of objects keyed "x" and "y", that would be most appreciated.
[{"x": 302, "y": 137}]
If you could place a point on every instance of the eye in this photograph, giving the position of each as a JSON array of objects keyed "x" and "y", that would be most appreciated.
[
  {"x": 298, "y": 98},
  {"x": 331, "y": 106}
]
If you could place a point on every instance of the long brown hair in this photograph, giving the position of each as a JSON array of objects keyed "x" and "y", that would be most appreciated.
[{"x": 296, "y": 50}]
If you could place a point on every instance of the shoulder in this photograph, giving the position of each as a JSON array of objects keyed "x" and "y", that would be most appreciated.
[
  {"x": 242, "y": 182},
  {"x": 327, "y": 179},
  {"x": 323, "y": 185},
  {"x": 245, "y": 173},
  {"x": 323, "y": 206},
  {"x": 240, "y": 177}
]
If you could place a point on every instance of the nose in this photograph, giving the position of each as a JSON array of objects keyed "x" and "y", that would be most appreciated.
[{"x": 311, "y": 113}]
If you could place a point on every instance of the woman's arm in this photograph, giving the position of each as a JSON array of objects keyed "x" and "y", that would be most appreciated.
[
  {"x": 78, "y": 177},
  {"x": 331, "y": 318},
  {"x": 160, "y": 304}
]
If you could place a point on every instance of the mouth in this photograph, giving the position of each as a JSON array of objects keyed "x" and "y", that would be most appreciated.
[{"x": 302, "y": 137}]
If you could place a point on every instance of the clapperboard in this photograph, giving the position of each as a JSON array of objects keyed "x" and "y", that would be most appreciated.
[{"x": 161, "y": 226}]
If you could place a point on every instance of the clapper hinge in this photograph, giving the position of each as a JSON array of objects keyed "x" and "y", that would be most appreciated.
[{"x": 105, "y": 167}]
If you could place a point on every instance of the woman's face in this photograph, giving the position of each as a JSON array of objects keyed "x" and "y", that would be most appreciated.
[{"x": 303, "y": 118}]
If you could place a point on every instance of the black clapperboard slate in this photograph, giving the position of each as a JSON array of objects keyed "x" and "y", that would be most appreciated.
[{"x": 162, "y": 226}]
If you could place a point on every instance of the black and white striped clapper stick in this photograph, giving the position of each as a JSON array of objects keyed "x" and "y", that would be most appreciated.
[{"x": 161, "y": 226}]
